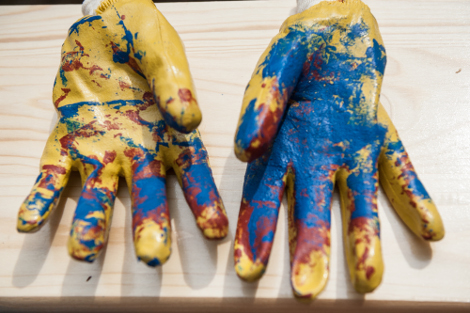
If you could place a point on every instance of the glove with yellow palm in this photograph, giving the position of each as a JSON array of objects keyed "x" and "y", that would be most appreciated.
[{"x": 127, "y": 107}]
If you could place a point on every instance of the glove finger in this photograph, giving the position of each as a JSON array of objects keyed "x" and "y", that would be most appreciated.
[
  {"x": 262, "y": 195},
  {"x": 92, "y": 218},
  {"x": 150, "y": 214},
  {"x": 44, "y": 196},
  {"x": 195, "y": 177},
  {"x": 361, "y": 228},
  {"x": 309, "y": 196},
  {"x": 407, "y": 194},
  {"x": 268, "y": 93}
]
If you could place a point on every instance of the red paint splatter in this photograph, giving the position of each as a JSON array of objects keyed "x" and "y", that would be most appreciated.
[
  {"x": 189, "y": 157},
  {"x": 263, "y": 227},
  {"x": 186, "y": 97},
  {"x": 352, "y": 205},
  {"x": 133, "y": 116},
  {"x": 150, "y": 170},
  {"x": 242, "y": 236},
  {"x": 108, "y": 125},
  {"x": 62, "y": 97},
  {"x": 363, "y": 224},
  {"x": 55, "y": 169},
  {"x": 97, "y": 84},
  {"x": 109, "y": 157},
  {"x": 94, "y": 68},
  {"x": 369, "y": 271},
  {"x": 124, "y": 85},
  {"x": 148, "y": 97},
  {"x": 71, "y": 61},
  {"x": 368, "y": 233},
  {"x": 79, "y": 45},
  {"x": 50, "y": 177},
  {"x": 85, "y": 131},
  {"x": 134, "y": 153},
  {"x": 159, "y": 215},
  {"x": 75, "y": 64}
]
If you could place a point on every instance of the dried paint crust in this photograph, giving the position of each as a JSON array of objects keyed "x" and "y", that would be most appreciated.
[
  {"x": 311, "y": 119},
  {"x": 123, "y": 92}
]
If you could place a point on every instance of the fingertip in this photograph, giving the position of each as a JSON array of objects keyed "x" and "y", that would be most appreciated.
[
  {"x": 433, "y": 231},
  {"x": 247, "y": 269},
  {"x": 152, "y": 242},
  {"x": 153, "y": 258},
  {"x": 151, "y": 262},
  {"x": 213, "y": 221},
  {"x": 189, "y": 124},
  {"x": 80, "y": 252},
  {"x": 308, "y": 279},
  {"x": 183, "y": 124},
  {"x": 23, "y": 226},
  {"x": 431, "y": 227},
  {"x": 85, "y": 257},
  {"x": 182, "y": 114},
  {"x": 217, "y": 233},
  {"x": 86, "y": 240},
  {"x": 194, "y": 120},
  {"x": 250, "y": 272},
  {"x": 29, "y": 220},
  {"x": 437, "y": 236},
  {"x": 367, "y": 272},
  {"x": 368, "y": 280},
  {"x": 241, "y": 153},
  {"x": 34, "y": 211}
]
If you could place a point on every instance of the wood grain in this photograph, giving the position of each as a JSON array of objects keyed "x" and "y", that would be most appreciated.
[{"x": 426, "y": 91}]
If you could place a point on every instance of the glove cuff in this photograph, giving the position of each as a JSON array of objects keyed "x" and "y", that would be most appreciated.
[
  {"x": 303, "y": 5},
  {"x": 89, "y": 6}
]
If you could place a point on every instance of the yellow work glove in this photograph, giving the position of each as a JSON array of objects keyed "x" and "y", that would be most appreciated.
[
  {"x": 311, "y": 119},
  {"x": 122, "y": 89}
]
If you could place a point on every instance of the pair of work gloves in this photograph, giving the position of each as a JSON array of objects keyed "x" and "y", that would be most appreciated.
[{"x": 310, "y": 118}]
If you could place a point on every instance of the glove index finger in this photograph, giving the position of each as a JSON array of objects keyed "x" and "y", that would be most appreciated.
[
  {"x": 262, "y": 194},
  {"x": 404, "y": 189}
]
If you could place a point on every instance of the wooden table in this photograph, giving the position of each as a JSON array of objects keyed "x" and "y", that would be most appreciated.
[{"x": 426, "y": 91}]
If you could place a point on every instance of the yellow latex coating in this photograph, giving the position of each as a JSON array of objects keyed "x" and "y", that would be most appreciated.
[
  {"x": 123, "y": 92},
  {"x": 310, "y": 120}
]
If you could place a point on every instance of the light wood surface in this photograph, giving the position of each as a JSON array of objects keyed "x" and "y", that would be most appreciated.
[{"x": 426, "y": 91}]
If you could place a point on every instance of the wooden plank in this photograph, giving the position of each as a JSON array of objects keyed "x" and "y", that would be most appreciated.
[
  {"x": 229, "y": 305},
  {"x": 426, "y": 91}
]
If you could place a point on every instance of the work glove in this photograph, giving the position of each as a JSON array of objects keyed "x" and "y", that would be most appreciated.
[
  {"x": 126, "y": 106},
  {"x": 311, "y": 119}
]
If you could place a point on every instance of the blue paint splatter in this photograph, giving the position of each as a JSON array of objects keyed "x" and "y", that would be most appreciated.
[{"x": 87, "y": 19}]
